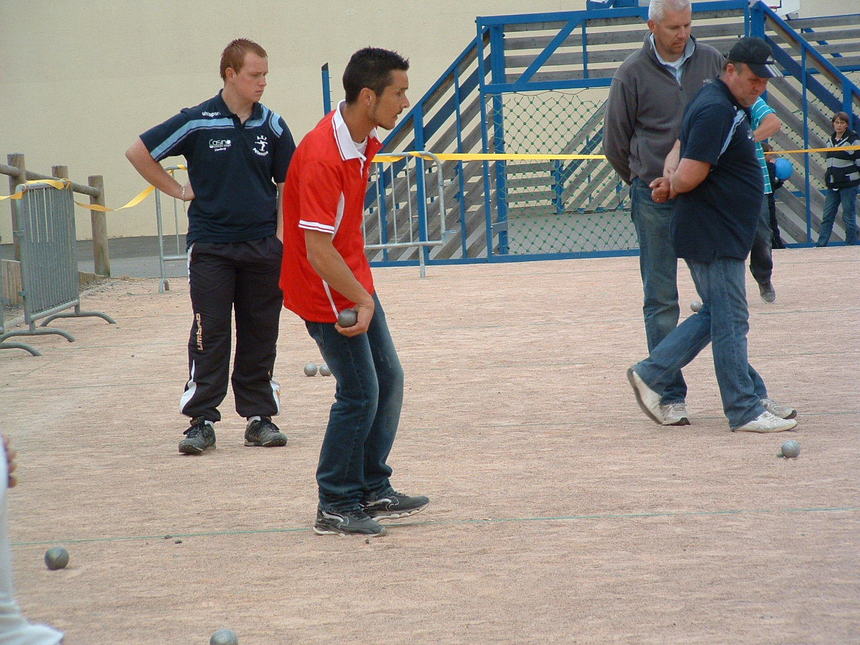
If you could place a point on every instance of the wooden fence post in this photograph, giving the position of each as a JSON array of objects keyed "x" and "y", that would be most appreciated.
[
  {"x": 16, "y": 159},
  {"x": 101, "y": 256}
]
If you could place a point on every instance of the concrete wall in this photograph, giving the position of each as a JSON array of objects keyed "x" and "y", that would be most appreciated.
[{"x": 79, "y": 80}]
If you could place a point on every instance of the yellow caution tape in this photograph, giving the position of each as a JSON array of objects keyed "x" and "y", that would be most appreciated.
[
  {"x": 63, "y": 184},
  {"x": 806, "y": 150},
  {"x": 133, "y": 202},
  {"x": 486, "y": 156},
  {"x": 482, "y": 156}
]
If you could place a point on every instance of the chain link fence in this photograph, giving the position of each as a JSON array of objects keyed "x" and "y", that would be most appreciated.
[{"x": 565, "y": 206}]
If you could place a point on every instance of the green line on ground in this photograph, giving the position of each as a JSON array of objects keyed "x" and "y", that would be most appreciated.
[{"x": 496, "y": 520}]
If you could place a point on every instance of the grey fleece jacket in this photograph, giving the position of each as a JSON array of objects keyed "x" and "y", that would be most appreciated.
[{"x": 645, "y": 107}]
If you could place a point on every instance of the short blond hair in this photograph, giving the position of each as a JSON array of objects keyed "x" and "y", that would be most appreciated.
[{"x": 234, "y": 55}]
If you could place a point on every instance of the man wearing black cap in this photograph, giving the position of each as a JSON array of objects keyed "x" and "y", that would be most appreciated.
[{"x": 718, "y": 184}]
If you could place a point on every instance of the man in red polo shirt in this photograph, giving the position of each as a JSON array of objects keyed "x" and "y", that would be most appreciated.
[{"x": 324, "y": 271}]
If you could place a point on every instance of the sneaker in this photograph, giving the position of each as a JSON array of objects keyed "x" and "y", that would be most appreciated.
[
  {"x": 262, "y": 432},
  {"x": 647, "y": 398},
  {"x": 767, "y": 292},
  {"x": 199, "y": 436},
  {"x": 353, "y": 522},
  {"x": 767, "y": 422},
  {"x": 675, "y": 414},
  {"x": 391, "y": 505},
  {"x": 778, "y": 409}
]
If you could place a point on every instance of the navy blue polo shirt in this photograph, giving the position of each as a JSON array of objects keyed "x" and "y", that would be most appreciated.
[
  {"x": 718, "y": 218},
  {"x": 232, "y": 166}
]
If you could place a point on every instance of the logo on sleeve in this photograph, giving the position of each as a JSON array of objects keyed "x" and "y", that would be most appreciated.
[
  {"x": 219, "y": 145},
  {"x": 261, "y": 145}
]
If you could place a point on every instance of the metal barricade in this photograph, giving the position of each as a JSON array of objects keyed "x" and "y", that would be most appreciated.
[
  {"x": 49, "y": 270},
  {"x": 4, "y": 301},
  {"x": 408, "y": 217},
  {"x": 179, "y": 255}
]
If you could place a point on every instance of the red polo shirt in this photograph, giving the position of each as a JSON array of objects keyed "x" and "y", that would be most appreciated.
[{"x": 324, "y": 191}]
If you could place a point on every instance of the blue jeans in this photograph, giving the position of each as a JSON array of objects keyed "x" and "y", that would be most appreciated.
[
  {"x": 723, "y": 320},
  {"x": 365, "y": 414},
  {"x": 658, "y": 267},
  {"x": 761, "y": 255},
  {"x": 847, "y": 197}
]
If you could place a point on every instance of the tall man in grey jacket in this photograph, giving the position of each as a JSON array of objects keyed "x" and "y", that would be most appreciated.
[{"x": 643, "y": 117}]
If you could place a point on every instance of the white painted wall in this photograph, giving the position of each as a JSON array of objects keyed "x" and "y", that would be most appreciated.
[{"x": 80, "y": 79}]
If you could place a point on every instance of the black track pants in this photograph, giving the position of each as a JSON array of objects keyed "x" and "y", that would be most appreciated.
[{"x": 240, "y": 277}]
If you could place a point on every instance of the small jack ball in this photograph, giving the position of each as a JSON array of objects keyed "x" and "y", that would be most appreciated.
[
  {"x": 56, "y": 558},
  {"x": 696, "y": 305},
  {"x": 347, "y": 318},
  {"x": 324, "y": 370},
  {"x": 790, "y": 449},
  {"x": 224, "y": 637},
  {"x": 311, "y": 369}
]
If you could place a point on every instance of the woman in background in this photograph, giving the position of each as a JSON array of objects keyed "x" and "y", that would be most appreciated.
[{"x": 842, "y": 178}]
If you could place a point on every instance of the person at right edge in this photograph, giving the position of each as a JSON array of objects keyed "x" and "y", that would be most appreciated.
[
  {"x": 643, "y": 117},
  {"x": 842, "y": 179},
  {"x": 324, "y": 272},
  {"x": 719, "y": 189}
]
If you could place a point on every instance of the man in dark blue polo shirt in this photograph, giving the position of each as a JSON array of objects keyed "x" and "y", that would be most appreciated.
[
  {"x": 718, "y": 184},
  {"x": 237, "y": 152}
]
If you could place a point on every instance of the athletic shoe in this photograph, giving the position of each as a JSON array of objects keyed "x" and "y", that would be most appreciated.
[
  {"x": 352, "y": 522},
  {"x": 391, "y": 505},
  {"x": 767, "y": 292},
  {"x": 767, "y": 422},
  {"x": 675, "y": 414},
  {"x": 262, "y": 432},
  {"x": 778, "y": 409},
  {"x": 198, "y": 437},
  {"x": 647, "y": 398}
]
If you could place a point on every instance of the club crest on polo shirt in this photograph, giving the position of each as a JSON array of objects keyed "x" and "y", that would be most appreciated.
[
  {"x": 261, "y": 145},
  {"x": 219, "y": 145}
]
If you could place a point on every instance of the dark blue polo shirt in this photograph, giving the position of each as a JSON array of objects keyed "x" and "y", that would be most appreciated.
[
  {"x": 232, "y": 166},
  {"x": 718, "y": 218}
]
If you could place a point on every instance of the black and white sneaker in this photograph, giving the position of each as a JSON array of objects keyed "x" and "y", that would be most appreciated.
[
  {"x": 351, "y": 522},
  {"x": 199, "y": 436},
  {"x": 262, "y": 432},
  {"x": 391, "y": 505}
]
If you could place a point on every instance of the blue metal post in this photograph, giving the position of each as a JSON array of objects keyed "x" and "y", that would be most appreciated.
[
  {"x": 485, "y": 145},
  {"x": 326, "y": 89},
  {"x": 497, "y": 75},
  {"x": 420, "y": 192},
  {"x": 807, "y": 184},
  {"x": 383, "y": 208},
  {"x": 461, "y": 184},
  {"x": 756, "y": 22}
]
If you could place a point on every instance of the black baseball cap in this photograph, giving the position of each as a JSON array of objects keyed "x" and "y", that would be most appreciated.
[{"x": 755, "y": 53}]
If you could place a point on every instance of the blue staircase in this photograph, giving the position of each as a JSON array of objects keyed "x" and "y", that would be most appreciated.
[{"x": 476, "y": 107}]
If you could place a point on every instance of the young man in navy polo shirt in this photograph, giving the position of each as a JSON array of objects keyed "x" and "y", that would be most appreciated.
[
  {"x": 237, "y": 152},
  {"x": 718, "y": 184},
  {"x": 325, "y": 271}
]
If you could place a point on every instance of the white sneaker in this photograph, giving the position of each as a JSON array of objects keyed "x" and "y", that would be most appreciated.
[
  {"x": 647, "y": 398},
  {"x": 767, "y": 422},
  {"x": 675, "y": 414},
  {"x": 778, "y": 409}
]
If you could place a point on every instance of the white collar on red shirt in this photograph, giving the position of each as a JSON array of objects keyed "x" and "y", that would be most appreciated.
[{"x": 347, "y": 147}]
